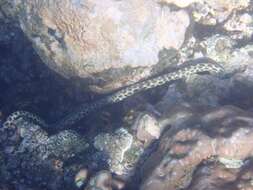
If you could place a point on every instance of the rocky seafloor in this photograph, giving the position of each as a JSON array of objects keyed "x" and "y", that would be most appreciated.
[{"x": 193, "y": 134}]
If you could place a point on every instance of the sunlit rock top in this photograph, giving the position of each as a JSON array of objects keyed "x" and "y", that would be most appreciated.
[{"x": 91, "y": 39}]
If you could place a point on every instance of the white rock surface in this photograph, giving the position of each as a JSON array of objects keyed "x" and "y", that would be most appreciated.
[
  {"x": 147, "y": 128},
  {"x": 181, "y": 3}
]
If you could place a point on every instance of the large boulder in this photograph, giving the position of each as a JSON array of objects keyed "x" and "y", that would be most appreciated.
[{"x": 109, "y": 43}]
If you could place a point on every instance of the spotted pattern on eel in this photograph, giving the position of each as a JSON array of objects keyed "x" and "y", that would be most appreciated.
[{"x": 197, "y": 66}]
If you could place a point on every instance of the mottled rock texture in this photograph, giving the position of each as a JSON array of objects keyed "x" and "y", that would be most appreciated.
[
  {"x": 115, "y": 146},
  {"x": 33, "y": 158},
  {"x": 225, "y": 132},
  {"x": 214, "y": 176},
  {"x": 110, "y": 43}
]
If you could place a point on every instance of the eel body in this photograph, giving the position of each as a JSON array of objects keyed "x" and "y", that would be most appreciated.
[{"x": 199, "y": 66}]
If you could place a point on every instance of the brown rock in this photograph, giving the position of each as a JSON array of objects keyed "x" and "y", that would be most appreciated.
[{"x": 224, "y": 132}]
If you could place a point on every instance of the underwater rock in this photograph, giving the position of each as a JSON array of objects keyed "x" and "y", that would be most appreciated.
[
  {"x": 111, "y": 43},
  {"x": 121, "y": 149},
  {"x": 207, "y": 90},
  {"x": 181, "y": 4},
  {"x": 203, "y": 13},
  {"x": 223, "y": 49},
  {"x": 7, "y": 11},
  {"x": 224, "y": 132},
  {"x": 115, "y": 146},
  {"x": 231, "y": 163},
  {"x": 81, "y": 177},
  {"x": 172, "y": 97},
  {"x": 147, "y": 128},
  {"x": 103, "y": 180},
  {"x": 212, "y": 12},
  {"x": 211, "y": 175},
  {"x": 228, "y": 5},
  {"x": 219, "y": 47},
  {"x": 240, "y": 26},
  {"x": 218, "y": 5}
]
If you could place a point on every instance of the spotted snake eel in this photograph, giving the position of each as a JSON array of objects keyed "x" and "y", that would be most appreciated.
[{"x": 200, "y": 66}]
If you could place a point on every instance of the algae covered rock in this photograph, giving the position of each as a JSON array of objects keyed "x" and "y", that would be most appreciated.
[
  {"x": 122, "y": 150},
  {"x": 114, "y": 146}
]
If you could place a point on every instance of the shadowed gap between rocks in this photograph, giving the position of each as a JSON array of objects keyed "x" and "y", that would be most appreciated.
[{"x": 26, "y": 83}]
